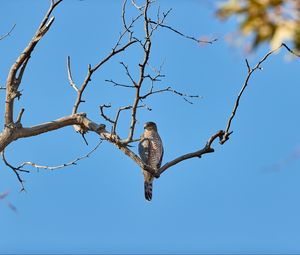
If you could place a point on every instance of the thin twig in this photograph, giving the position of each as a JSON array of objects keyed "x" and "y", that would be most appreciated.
[
  {"x": 206, "y": 149},
  {"x": 291, "y": 51},
  {"x": 73, "y": 162},
  {"x": 8, "y": 33},
  {"x": 140, "y": 8},
  {"x": 250, "y": 72},
  {"x": 128, "y": 74},
  {"x": 116, "y": 84},
  {"x": 103, "y": 114},
  {"x": 13, "y": 82},
  {"x": 15, "y": 169},
  {"x": 19, "y": 118},
  {"x": 169, "y": 89},
  {"x": 91, "y": 70},
  {"x": 138, "y": 85},
  {"x": 117, "y": 117},
  {"x": 182, "y": 34},
  {"x": 72, "y": 83}
]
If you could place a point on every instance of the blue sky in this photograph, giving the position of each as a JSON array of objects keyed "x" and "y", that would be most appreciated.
[{"x": 232, "y": 201}]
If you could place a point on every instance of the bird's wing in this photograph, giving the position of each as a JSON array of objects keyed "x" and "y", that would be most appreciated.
[
  {"x": 144, "y": 150},
  {"x": 161, "y": 157}
]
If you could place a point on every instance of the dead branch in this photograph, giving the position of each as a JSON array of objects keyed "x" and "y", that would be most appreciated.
[
  {"x": 147, "y": 47},
  {"x": 104, "y": 116},
  {"x": 116, "y": 84},
  {"x": 206, "y": 149},
  {"x": 222, "y": 135},
  {"x": 21, "y": 181},
  {"x": 130, "y": 26},
  {"x": 72, "y": 83},
  {"x": 169, "y": 89},
  {"x": 117, "y": 117},
  {"x": 71, "y": 163},
  {"x": 291, "y": 51},
  {"x": 115, "y": 121},
  {"x": 128, "y": 74},
  {"x": 79, "y": 119},
  {"x": 182, "y": 34},
  {"x": 20, "y": 168},
  {"x": 8, "y": 33},
  {"x": 250, "y": 72},
  {"x": 140, "y": 8},
  {"x": 19, "y": 118},
  {"x": 91, "y": 70},
  {"x": 13, "y": 82}
]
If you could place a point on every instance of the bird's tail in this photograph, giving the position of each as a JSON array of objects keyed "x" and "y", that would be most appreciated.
[{"x": 148, "y": 190}]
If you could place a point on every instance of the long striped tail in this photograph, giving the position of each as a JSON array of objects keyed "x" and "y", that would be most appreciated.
[{"x": 148, "y": 190}]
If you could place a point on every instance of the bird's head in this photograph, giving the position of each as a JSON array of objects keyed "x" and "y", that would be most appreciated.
[{"x": 150, "y": 126}]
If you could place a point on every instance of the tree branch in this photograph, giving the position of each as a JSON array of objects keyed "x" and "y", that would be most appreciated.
[
  {"x": 73, "y": 162},
  {"x": 91, "y": 70},
  {"x": 21, "y": 181},
  {"x": 206, "y": 149},
  {"x": 19, "y": 118},
  {"x": 169, "y": 89},
  {"x": 8, "y": 33},
  {"x": 115, "y": 123},
  {"x": 250, "y": 72},
  {"x": 138, "y": 85},
  {"x": 72, "y": 83},
  {"x": 13, "y": 82},
  {"x": 74, "y": 119},
  {"x": 182, "y": 34},
  {"x": 103, "y": 114}
]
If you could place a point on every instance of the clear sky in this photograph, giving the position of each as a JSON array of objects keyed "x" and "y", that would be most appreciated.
[{"x": 244, "y": 198}]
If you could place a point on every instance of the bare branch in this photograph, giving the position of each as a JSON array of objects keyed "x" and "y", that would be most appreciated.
[
  {"x": 140, "y": 8},
  {"x": 147, "y": 48},
  {"x": 47, "y": 16},
  {"x": 13, "y": 82},
  {"x": 15, "y": 171},
  {"x": 19, "y": 118},
  {"x": 250, "y": 72},
  {"x": 248, "y": 66},
  {"x": 169, "y": 89},
  {"x": 291, "y": 51},
  {"x": 123, "y": 16},
  {"x": 74, "y": 119},
  {"x": 92, "y": 70},
  {"x": 72, "y": 83},
  {"x": 117, "y": 117},
  {"x": 28, "y": 163},
  {"x": 182, "y": 34},
  {"x": 222, "y": 135},
  {"x": 8, "y": 33},
  {"x": 206, "y": 149},
  {"x": 113, "y": 52},
  {"x": 116, "y": 84},
  {"x": 73, "y": 162},
  {"x": 103, "y": 114},
  {"x": 128, "y": 73}
]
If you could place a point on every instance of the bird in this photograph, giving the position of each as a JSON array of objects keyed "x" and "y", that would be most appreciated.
[{"x": 151, "y": 151}]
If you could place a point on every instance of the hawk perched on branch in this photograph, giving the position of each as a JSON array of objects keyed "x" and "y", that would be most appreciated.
[{"x": 151, "y": 152}]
